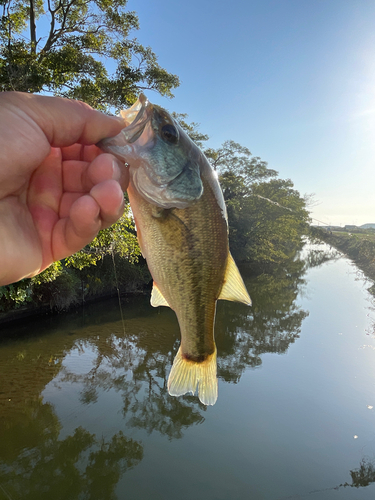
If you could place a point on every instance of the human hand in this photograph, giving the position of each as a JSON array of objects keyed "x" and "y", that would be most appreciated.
[{"x": 57, "y": 189}]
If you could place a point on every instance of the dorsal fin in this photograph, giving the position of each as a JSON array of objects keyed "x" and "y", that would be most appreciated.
[
  {"x": 234, "y": 288},
  {"x": 157, "y": 298}
]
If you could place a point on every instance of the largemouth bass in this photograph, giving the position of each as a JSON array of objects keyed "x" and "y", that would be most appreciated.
[{"x": 182, "y": 229}]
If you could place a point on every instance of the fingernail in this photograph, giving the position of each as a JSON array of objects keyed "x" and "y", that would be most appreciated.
[{"x": 120, "y": 120}]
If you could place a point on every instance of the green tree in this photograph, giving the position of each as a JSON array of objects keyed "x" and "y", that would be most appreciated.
[
  {"x": 267, "y": 217},
  {"x": 232, "y": 157},
  {"x": 266, "y": 221},
  {"x": 65, "y": 47}
]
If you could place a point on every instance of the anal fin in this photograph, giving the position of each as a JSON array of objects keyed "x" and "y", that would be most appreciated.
[
  {"x": 157, "y": 298},
  {"x": 187, "y": 375}
]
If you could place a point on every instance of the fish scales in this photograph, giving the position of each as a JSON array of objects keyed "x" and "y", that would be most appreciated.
[{"x": 186, "y": 252}]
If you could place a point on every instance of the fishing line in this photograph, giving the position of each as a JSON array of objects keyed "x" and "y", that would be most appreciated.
[
  {"x": 5, "y": 492},
  {"x": 286, "y": 208},
  {"x": 118, "y": 290}
]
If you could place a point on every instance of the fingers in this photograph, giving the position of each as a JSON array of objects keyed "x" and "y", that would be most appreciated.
[
  {"x": 80, "y": 152},
  {"x": 85, "y": 216},
  {"x": 81, "y": 176},
  {"x": 45, "y": 186},
  {"x": 71, "y": 201},
  {"x": 110, "y": 198},
  {"x": 72, "y": 233}
]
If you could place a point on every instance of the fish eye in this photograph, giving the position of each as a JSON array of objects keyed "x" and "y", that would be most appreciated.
[{"x": 169, "y": 133}]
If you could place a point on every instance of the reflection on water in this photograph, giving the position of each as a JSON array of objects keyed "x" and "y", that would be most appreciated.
[
  {"x": 79, "y": 395},
  {"x": 273, "y": 323}
]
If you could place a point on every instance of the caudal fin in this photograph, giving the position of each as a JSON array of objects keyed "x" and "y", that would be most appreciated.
[{"x": 186, "y": 375}]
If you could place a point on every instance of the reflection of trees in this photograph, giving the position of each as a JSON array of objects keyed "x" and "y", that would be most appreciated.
[
  {"x": 137, "y": 365},
  {"x": 364, "y": 475},
  {"x": 319, "y": 254},
  {"x": 139, "y": 375},
  {"x": 77, "y": 467},
  {"x": 361, "y": 477},
  {"x": 271, "y": 325},
  {"x": 36, "y": 463}
]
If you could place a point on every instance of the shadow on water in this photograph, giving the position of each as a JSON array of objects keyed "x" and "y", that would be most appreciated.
[{"x": 89, "y": 352}]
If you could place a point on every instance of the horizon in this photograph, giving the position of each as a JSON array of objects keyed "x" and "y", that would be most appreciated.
[{"x": 342, "y": 226}]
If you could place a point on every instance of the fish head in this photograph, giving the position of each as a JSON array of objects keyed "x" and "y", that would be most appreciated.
[{"x": 164, "y": 162}]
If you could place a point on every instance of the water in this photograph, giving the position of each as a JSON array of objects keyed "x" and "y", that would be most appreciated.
[{"x": 85, "y": 412}]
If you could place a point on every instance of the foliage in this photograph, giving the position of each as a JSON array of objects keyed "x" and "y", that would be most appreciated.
[
  {"x": 113, "y": 272},
  {"x": 237, "y": 159},
  {"x": 118, "y": 239},
  {"x": 49, "y": 274},
  {"x": 59, "y": 294},
  {"x": 64, "y": 47},
  {"x": 14, "y": 295},
  {"x": 267, "y": 218},
  {"x": 72, "y": 285},
  {"x": 69, "y": 58}
]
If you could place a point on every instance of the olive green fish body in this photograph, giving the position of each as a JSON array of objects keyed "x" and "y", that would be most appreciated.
[{"x": 186, "y": 251}]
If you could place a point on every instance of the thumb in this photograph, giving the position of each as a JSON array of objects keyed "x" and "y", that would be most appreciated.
[{"x": 64, "y": 121}]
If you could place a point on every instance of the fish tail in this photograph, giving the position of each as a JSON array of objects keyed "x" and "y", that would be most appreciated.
[{"x": 186, "y": 375}]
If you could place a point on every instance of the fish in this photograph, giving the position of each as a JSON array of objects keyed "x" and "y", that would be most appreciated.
[{"x": 182, "y": 229}]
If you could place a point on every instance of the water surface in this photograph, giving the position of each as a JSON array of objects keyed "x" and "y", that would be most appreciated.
[{"x": 85, "y": 412}]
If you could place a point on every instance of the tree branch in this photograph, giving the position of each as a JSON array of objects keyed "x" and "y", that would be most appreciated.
[
  {"x": 51, "y": 35},
  {"x": 32, "y": 27}
]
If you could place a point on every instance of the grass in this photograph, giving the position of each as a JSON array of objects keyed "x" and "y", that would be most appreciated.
[
  {"x": 358, "y": 246},
  {"x": 368, "y": 236}
]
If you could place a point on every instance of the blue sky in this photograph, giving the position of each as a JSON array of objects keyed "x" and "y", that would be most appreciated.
[{"x": 293, "y": 80}]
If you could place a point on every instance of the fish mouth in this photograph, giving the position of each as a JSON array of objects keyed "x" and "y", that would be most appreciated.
[{"x": 135, "y": 120}]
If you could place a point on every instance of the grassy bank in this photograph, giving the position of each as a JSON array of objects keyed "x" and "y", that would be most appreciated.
[{"x": 358, "y": 246}]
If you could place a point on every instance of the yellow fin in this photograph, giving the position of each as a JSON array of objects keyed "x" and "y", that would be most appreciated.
[
  {"x": 234, "y": 287},
  {"x": 157, "y": 298},
  {"x": 186, "y": 375}
]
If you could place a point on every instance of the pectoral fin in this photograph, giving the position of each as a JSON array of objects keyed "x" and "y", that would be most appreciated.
[
  {"x": 234, "y": 288},
  {"x": 157, "y": 298}
]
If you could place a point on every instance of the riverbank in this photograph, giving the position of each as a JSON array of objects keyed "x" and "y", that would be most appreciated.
[
  {"x": 72, "y": 289},
  {"x": 359, "y": 247}
]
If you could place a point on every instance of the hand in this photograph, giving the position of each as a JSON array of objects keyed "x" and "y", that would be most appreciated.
[{"x": 57, "y": 189}]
